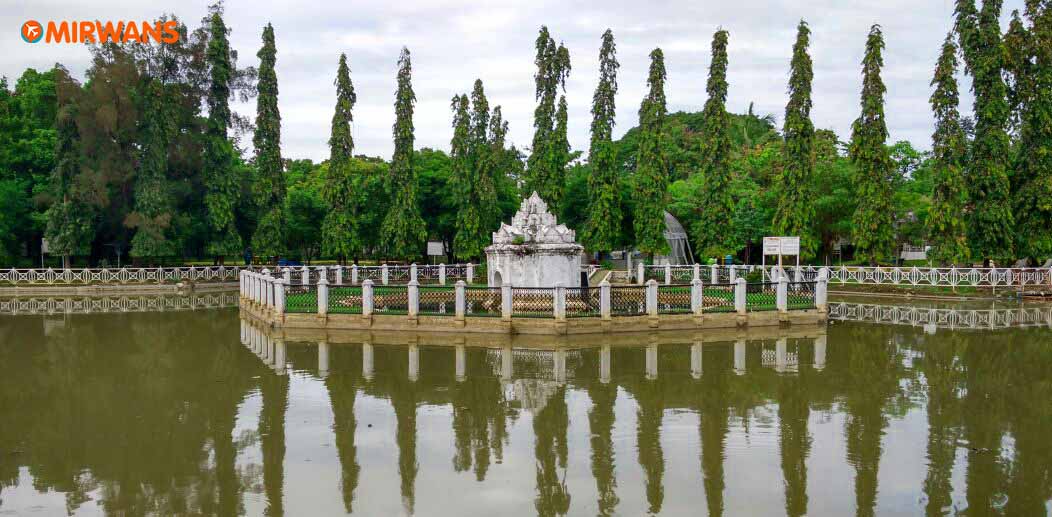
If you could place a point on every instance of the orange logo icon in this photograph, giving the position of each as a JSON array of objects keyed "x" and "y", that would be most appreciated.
[{"x": 32, "y": 31}]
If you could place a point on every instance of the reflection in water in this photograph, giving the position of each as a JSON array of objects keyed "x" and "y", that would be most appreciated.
[{"x": 165, "y": 414}]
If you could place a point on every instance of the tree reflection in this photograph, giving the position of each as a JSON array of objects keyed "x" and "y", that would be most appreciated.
[
  {"x": 550, "y": 452},
  {"x": 794, "y": 437},
  {"x": 479, "y": 417},
  {"x": 601, "y": 424},
  {"x": 942, "y": 372},
  {"x": 343, "y": 392},
  {"x": 127, "y": 408}
]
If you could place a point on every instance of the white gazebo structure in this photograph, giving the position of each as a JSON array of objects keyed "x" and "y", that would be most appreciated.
[{"x": 534, "y": 251}]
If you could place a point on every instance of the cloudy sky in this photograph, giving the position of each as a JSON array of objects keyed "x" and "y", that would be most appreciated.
[{"x": 454, "y": 42}]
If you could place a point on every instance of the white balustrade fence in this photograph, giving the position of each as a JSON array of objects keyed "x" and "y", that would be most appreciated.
[{"x": 899, "y": 276}]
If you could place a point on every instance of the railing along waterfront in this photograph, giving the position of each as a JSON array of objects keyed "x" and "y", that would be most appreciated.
[
  {"x": 946, "y": 318},
  {"x": 280, "y": 295},
  {"x": 120, "y": 276},
  {"x": 952, "y": 277},
  {"x": 384, "y": 274}
]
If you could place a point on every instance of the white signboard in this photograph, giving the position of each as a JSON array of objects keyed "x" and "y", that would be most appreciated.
[
  {"x": 435, "y": 249},
  {"x": 781, "y": 245}
]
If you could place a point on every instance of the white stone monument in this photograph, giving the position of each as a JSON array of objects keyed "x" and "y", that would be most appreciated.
[{"x": 534, "y": 251}]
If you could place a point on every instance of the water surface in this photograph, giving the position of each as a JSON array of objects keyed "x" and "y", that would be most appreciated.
[{"x": 170, "y": 413}]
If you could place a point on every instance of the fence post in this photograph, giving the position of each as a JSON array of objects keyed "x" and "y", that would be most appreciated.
[
  {"x": 640, "y": 274},
  {"x": 652, "y": 297},
  {"x": 505, "y": 302},
  {"x": 287, "y": 273},
  {"x": 383, "y": 273},
  {"x": 367, "y": 297},
  {"x": 714, "y": 274},
  {"x": 323, "y": 296},
  {"x": 470, "y": 272},
  {"x": 696, "y": 296},
  {"x": 697, "y": 272},
  {"x": 734, "y": 274},
  {"x": 782, "y": 294},
  {"x": 559, "y": 301},
  {"x": 306, "y": 275},
  {"x": 668, "y": 274},
  {"x": 798, "y": 274},
  {"x": 279, "y": 296},
  {"x": 604, "y": 299},
  {"x": 339, "y": 274},
  {"x": 822, "y": 291},
  {"x": 442, "y": 274},
  {"x": 413, "y": 291},
  {"x": 241, "y": 284},
  {"x": 264, "y": 295},
  {"x": 354, "y": 274},
  {"x": 460, "y": 299},
  {"x": 412, "y": 272},
  {"x": 740, "y": 296}
]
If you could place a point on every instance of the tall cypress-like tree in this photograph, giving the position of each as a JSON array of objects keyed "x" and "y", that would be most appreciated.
[
  {"x": 603, "y": 223},
  {"x": 872, "y": 222},
  {"x": 477, "y": 145},
  {"x": 1033, "y": 169},
  {"x": 153, "y": 200},
  {"x": 713, "y": 201},
  {"x": 651, "y": 178},
  {"x": 269, "y": 239},
  {"x": 946, "y": 223},
  {"x": 466, "y": 242},
  {"x": 222, "y": 188},
  {"x": 550, "y": 152},
  {"x": 403, "y": 228},
  {"x": 796, "y": 203},
  {"x": 70, "y": 221},
  {"x": 485, "y": 155},
  {"x": 340, "y": 233},
  {"x": 991, "y": 224}
]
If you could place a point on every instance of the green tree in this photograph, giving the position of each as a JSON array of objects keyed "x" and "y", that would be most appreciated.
[
  {"x": 469, "y": 238},
  {"x": 70, "y": 222},
  {"x": 946, "y": 223},
  {"x": 487, "y": 144},
  {"x": 873, "y": 219},
  {"x": 152, "y": 216},
  {"x": 403, "y": 228},
  {"x": 714, "y": 203},
  {"x": 796, "y": 208},
  {"x": 220, "y": 180},
  {"x": 1032, "y": 180},
  {"x": 340, "y": 235},
  {"x": 603, "y": 226},
  {"x": 269, "y": 239},
  {"x": 652, "y": 175},
  {"x": 991, "y": 223},
  {"x": 549, "y": 154}
]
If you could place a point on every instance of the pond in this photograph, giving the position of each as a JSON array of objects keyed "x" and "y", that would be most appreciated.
[{"x": 170, "y": 413}]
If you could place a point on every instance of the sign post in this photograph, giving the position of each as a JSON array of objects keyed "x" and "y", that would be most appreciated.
[{"x": 780, "y": 246}]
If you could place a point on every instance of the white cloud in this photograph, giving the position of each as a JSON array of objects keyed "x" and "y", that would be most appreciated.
[{"x": 453, "y": 42}]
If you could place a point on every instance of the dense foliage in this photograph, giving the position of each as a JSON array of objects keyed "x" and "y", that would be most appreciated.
[
  {"x": 144, "y": 159},
  {"x": 603, "y": 225},
  {"x": 872, "y": 223},
  {"x": 713, "y": 199},
  {"x": 794, "y": 213}
]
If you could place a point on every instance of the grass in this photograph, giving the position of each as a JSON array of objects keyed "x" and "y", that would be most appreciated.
[{"x": 307, "y": 302}]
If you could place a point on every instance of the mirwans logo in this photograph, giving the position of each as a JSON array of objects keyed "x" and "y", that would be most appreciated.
[{"x": 32, "y": 31}]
